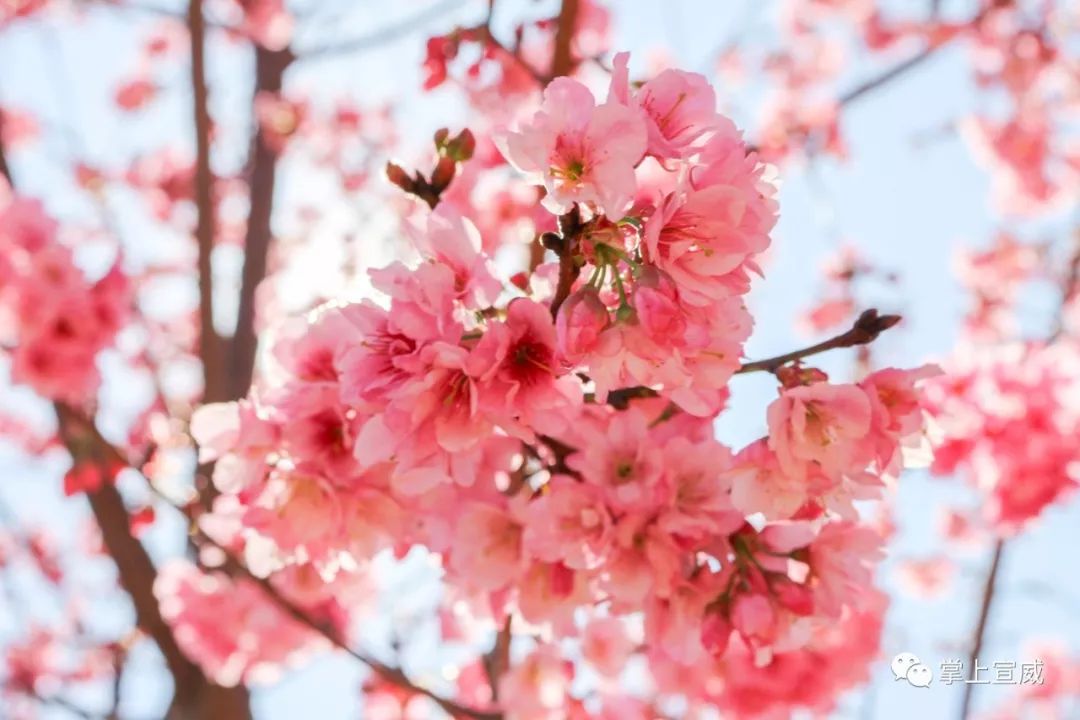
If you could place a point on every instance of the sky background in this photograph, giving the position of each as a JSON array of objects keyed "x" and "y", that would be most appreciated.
[{"x": 909, "y": 196}]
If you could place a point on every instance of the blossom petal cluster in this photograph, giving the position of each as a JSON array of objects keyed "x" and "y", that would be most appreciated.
[
  {"x": 55, "y": 320},
  {"x": 551, "y": 442},
  {"x": 1008, "y": 419}
]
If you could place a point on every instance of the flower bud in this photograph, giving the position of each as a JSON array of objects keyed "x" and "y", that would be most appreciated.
[
  {"x": 443, "y": 174},
  {"x": 397, "y": 175},
  {"x": 581, "y": 320}
]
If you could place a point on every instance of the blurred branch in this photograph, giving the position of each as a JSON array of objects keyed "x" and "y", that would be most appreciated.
[
  {"x": 193, "y": 694},
  {"x": 80, "y": 432},
  {"x": 866, "y": 329},
  {"x": 514, "y": 52},
  {"x": 66, "y": 705},
  {"x": 562, "y": 60},
  {"x": 382, "y": 36},
  {"x": 270, "y": 66},
  {"x": 211, "y": 350},
  {"x": 119, "y": 664},
  {"x": 980, "y": 627},
  {"x": 897, "y": 70},
  {"x": 135, "y": 569},
  {"x": 902, "y": 67},
  {"x": 497, "y": 660},
  {"x": 5, "y": 169},
  {"x": 390, "y": 673}
]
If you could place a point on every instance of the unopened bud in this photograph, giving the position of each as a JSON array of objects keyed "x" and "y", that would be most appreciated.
[
  {"x": 443, "y": 174},
  {"x": 463, "y": 146},
  {"x": 397, "y": 175}
]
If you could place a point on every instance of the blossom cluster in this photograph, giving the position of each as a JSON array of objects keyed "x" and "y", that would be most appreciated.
[
  {"x": 263, "y": 640},
  {"x": 56, "y": 321},
  {"x": 1008, "y": 419},
  {"x": 551, "y": 441}
]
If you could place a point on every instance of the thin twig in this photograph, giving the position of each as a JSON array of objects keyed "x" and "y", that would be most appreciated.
[
  {"x": 5, "y": 169},
  {"x": 390, "y": 673},
  {"x": 865, "y": 330},
  {"x": 899, "y": 69},
  {"x": 513, "y": 53},
  {"x": 980, "y": 628}
]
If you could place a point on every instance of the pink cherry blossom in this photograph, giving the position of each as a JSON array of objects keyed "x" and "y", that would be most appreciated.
[
  {"x": 579, "y": 151},
  {"x": 679, "y": 107}
]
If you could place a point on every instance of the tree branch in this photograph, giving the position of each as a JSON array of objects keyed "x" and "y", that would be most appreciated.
[
  {"x": 980, "y": 627},
  {"x": 80, "y": 432},
  {"x": 270, "y": 69},
  {"x": 899, "y": 69},
  {"x": 5, "y": 169},
  {"x": 564, "y": 245},
  {"x": 392, "y": 674},
  {"x": 865, "y": 330},
  {"x": 135, "y": 569},
  {"x": 562, "y": 60},
  {"x": 211, "y": 350}
]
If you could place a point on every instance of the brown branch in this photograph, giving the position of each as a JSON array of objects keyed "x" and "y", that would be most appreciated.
[
  {"x": 5, "y": 169},
  {"x": 194, "y": 696},
  {"x": 565, "y": 245},
  {"x": 980, "y": 628},
  {"x": 270, "y": 69},
  {"x": 211, "y": 350},
  {"x": 497, "y": 660},
  {"x": 133, "y": 564},
  {"x": 81, "y": 433},
  {"x": 134, "y": 567},
  {"x": 865, "y": 330},
  {"x": 562, "y": 60},
  {"x": 513, "y": 53},
  {"x": 390, "y": 673}
]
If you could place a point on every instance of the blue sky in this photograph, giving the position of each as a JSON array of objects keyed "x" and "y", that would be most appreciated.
[{"x": 907, "y": 207}]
